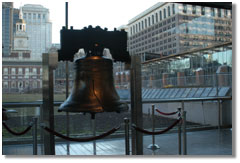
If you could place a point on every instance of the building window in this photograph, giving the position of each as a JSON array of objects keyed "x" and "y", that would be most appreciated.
[
  {"x": 164, "y": 13},
  {"x": 203, "y": 10},
  {"x": 20, "y": 72},
  {"x": 160, "y": 15},
  {"x": 149, "y": 22},
  {"x": 26, "y": 84},
  {"x": 5, "y": 71},
  {"x": 139, "y": 26},
  {"x": 20, "y": 84},
  {"x": 174, "y": 51},
  {"x": 219, "y": 13},
  {"x": 212, "y": 12},
  {"x": 225, "y": 13},
  {"x": 184, "y": 8},
  {"x": 136, "y": 28},
  {"x": 13, "y": 84},
  {"x": 173, "y": 9},
  {"x": 156, "y": 15},
  {"x": 34, "y": 16},
  {"x": 29, "y": 15},
  {"x": 26, "y": 71},
  {"x": 193, "y": 9},
  {"x": 34, "y": 71},
  {"x": 13, "y": 71},
  {"x": 169, "y": 12},
  {"x": 44, "y": 16},
  {"x": 142, "y": 25},
  {"x": 34, "y": 84},
  {"x": 145, "y": 23},
  {"x": 5, "y": 84},
  {"x": 152, "y": 19},
  {"x": 39, "y": 16}
]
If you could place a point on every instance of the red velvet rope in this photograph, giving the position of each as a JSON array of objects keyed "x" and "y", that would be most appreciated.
[
  {"x": 158, "y": 132},
  {"x": 15, "y": 133},
  {"x": 172, "y": 113},
  {"x": 82, "y": 139}
]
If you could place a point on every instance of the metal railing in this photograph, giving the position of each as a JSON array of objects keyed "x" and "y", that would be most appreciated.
[
  {"x": 197, "y": 81},
  {"x": 181, "y": 100}
]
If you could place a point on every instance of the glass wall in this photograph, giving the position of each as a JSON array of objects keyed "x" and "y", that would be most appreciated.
[{"x": 208, "y": 61}]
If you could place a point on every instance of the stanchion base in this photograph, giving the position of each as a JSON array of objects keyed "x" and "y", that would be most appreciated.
[{"x": 153, "y": 147}]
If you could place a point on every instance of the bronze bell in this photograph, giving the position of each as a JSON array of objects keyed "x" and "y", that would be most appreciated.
[{"x": 93, "y": 89}]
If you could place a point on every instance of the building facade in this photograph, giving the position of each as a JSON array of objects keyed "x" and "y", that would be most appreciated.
[
  {"x": 21, "y": 76},
  {"x": 172, "y": 28},
  {"x": 39, "y": 29},
  {"x": 20, "y": 72},
  {"x": 9, "y": 17}
]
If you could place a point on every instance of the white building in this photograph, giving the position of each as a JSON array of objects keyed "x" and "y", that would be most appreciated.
[
  {"x": 38, "y": 28},
  {"x": 172, "y": 28}
]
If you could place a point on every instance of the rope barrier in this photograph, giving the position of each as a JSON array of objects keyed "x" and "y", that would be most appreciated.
[
  {"x": 82, "y": 139},
  {"x": 158, "y": 132},
  {"x": 16, "y": 133},
  {"x": 172, "y": 113}
]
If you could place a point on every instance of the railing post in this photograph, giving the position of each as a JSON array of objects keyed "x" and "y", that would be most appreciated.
[
  {"x": 219, "y": 114},
  {"x": 94, "y": 132},
  {"x": 179, "y": 134},
  {"x": 34, "y": 134},
  {"x": 153, "y": 124},
  {"x": 126, "y": 121},
  {"x": 184, "y": 134},
  {"x": 153, "y": 146}
]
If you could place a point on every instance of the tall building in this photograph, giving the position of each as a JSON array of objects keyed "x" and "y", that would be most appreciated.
[
  {"x": 9, "y": 17},
  {"x": 38, "y": 28},
  {"x": 20, "y": 36},
  {"x": 21, "y": 73},
  {"x": 172, "y": 28}
]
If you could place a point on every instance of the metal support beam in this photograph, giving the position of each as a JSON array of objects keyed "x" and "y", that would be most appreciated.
[
  {"x": 126, "y": 122},
  {"x": 136, "y": 105},
  {"x": 184, "y": 134},
  {"x": 47, "y": 116},
  {"x": 67, "y": 82},
  {"x": 34, "y": 133}
]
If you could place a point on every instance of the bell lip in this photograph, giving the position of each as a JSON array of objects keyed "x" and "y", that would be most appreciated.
[{"x": 95, "y": 57}]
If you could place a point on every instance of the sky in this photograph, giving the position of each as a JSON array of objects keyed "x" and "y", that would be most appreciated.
[{"x": 105, "y": 13}]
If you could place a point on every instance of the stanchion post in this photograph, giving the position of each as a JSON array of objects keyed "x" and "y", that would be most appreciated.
[
  {"x": 219, "y": 114},
  {"x": 148, "y": 112},
  {"x": 153, "y": 124},
  {"x": 34, "y": 134},
  {"x": 179, "y": 134},
  {"x": 126, "y": 121},
  {"x": 153, "y": 146},
  {"x": 184, "y": 134},
  {"x": 94, "y": 132}
]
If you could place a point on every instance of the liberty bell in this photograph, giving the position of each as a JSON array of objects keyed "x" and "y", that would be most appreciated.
[{"x": 93, "y": 90}]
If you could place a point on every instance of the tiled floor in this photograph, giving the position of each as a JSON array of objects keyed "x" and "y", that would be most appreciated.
[{"x": 208, "y": 142}]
